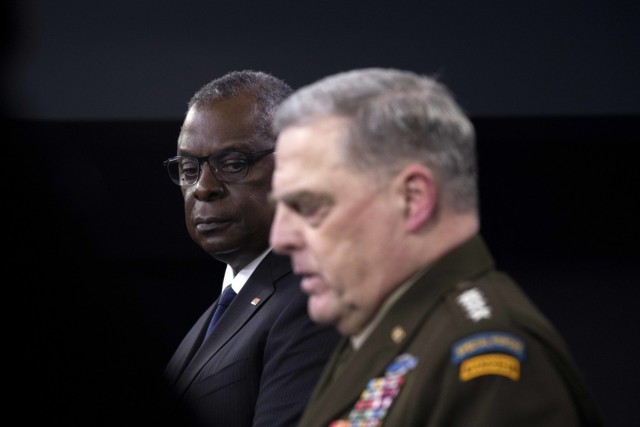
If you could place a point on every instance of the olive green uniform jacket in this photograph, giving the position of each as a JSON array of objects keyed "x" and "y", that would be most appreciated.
[{"x": 462, "y": 347}]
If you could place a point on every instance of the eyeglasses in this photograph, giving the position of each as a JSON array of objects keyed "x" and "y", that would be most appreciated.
[{"x": 227, "y": 166}]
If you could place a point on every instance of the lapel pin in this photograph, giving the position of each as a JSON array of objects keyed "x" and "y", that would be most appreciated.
[{"x": 255, "y": 301}]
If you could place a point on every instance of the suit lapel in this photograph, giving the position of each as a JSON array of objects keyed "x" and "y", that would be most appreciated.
[
  {"x": 253, "y": 296},
  {"x": 188, "y": 347}
]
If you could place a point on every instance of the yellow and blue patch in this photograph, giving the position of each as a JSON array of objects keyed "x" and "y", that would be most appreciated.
[{"x": 489, "y": 353}]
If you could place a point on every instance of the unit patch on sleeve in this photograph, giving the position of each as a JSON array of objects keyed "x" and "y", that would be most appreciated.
[{"x": 489, "y": 353}]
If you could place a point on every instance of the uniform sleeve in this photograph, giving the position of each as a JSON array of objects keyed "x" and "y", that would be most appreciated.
[{"x": 502, "y": 386}]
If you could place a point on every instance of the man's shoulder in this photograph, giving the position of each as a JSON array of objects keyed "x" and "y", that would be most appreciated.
[
  {"x": 492, "y": 309},
  {"x": 493, "y": 298}
]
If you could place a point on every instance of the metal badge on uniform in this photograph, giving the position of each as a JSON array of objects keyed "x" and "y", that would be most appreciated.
[
  {"x": 489, "y": 353},
  {"x": 398, "y": 334},
  {"x": 401, "y": 365},
  {"x": 255, "y": 301},
  {"x": 475, "y": 304}
]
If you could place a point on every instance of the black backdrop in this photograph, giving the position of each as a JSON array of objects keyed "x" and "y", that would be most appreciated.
[
  {"x": 103, "y": 280},
  {"x": 142, "y": 59}
]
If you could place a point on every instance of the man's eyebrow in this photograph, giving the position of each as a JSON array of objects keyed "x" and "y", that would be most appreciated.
[
  {"x": 302, "y": 196},
  {"x": 242, "y": 147},
  {"x": 284, "y": 198}
]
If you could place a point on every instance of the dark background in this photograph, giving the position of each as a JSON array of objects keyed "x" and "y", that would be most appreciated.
[
  {"x": 122, "y": 59},
  {"x": 102, "y": 280}
]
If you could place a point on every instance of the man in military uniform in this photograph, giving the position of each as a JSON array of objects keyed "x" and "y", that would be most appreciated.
[{"x": 377, "y": 204}]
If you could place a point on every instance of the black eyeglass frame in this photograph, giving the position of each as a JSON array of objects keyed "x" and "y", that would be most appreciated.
[{"x": 212, "y": 160}]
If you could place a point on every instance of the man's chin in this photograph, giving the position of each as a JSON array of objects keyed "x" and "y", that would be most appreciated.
[
  {"x": 216, "y": 247},
  {"x": 320, "y": 311}
]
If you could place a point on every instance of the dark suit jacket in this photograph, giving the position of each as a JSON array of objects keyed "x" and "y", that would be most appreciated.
[
  {"x": 476, "y": 352},
  {"x": 259, "y": 366}
]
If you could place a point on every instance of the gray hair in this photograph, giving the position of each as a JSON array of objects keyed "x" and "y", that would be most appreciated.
[
  {"x": 394, "y": 118},
  {"x": 269, "y": 92}
]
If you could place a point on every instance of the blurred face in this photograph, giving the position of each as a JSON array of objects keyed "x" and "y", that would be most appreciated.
[
  {"x": 229, "y": 220},
  {"x": 337, "y": 225}
]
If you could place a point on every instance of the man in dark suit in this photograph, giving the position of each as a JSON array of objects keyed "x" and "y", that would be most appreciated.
[
  {"x": 259, "y": 363},
  {"x": 377, "y": 205}
]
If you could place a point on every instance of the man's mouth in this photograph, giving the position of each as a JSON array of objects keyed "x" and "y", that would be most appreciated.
[{"x": 211, "y": 226}]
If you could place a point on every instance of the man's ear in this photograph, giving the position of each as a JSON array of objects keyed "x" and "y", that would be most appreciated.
[{"x": 420, "y": 193}]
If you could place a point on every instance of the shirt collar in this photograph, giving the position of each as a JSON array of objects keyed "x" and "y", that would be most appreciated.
[
  {"x": 243, "y": 275},
  {"x": 359, "y": 339}
]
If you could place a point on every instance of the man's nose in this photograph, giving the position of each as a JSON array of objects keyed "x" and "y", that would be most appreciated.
[
  {"x": 284, "y": 237},
  {"x": 208, "y": 184}
]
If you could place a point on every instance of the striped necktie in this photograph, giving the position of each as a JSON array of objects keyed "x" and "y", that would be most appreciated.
[{"x": 223, "y": 302}]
